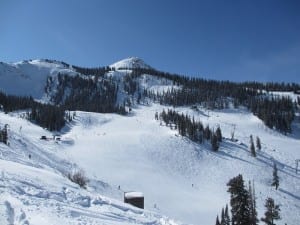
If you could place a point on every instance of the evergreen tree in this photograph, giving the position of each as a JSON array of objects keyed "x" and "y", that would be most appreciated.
[
  {"x": 258, "y": 144},
  {"x": 252, "y": 205},
  {"x": 207, "y": 133},
  {"x": 225, "y": 219},
  {"x": 4, "y": 134},
  {"x": 252, "y": 147},
  {"x": 275, "y": 177},
  {"x": 219, "y": 134},
  {"x": 239, "y": 197},
  {"x": 218, "y": 221},
  {"x": 222, "y": 217},
  {"x": 272, "y": 212},
  {"x": 214, "y": 142},
  {"x": 226, "y": 216}
]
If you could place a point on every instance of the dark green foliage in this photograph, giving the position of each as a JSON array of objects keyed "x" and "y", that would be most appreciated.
[
  {"x": 4, "y": 134},
  {"x": 87, "y": 94},
  {"x": 45, "y": 115},
  {"x": 9, "y": 103},
  {"x": 218, "y": 221},
  {"x": 98, "y": 72},
  {"x": 186, "y": 126},
  {"x": 226, "y": 219},
  {"x": 207, "y": 133},
  {"x": 272, "y": 212},
  {"x": 275, "y": 181},
  {"x": 219, "y": 134},
  {"x": 214, "y": 142},
  {"x": 258, "y": 143},
  {"x": 189, "y": 128},
  {"x": 130, "y": 84},
  {"x": 239, "y": 201},
  {"x": 48, "y": 116},
  {"x": 276, "y": 112},
  {"x": 252, "y": 147},
  {"x": 252, "y": 205},
  {"x": 243, "y": 204}
]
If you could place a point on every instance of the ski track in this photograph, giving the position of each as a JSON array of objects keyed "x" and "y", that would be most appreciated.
[{"x": 179, "y": 178}]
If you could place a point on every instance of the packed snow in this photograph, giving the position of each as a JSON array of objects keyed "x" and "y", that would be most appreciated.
[
  {"x": 178, "y": 178},
  {"x": 34, "y": 188}
]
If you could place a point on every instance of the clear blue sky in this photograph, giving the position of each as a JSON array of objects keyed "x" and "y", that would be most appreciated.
[{"x": 226, "y": 39}]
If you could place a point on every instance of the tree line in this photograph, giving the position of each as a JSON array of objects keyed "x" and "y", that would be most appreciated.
[
  {"x": 87, "y": 94},
  {"x": 91, "y": 94},
  {"x": 197, "y": 82},
  {"x": 275, "y": 112},
  {"x": 188, "y": 127},
  {"x": 46, "y": 115}
]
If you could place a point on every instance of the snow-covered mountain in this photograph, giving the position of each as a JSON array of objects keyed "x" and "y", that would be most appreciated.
[
  {"x": 179, "y": 178},
  {"x": 28, "y": 78},
  {"x": 130, "y": 63}
]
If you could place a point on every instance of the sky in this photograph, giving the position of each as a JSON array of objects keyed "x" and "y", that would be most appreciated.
[{"x": 225, "y": 40}]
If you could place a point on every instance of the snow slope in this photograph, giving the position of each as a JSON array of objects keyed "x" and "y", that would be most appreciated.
[
  {"x": 130, "y": 63},
  {"x": 28, "y": 78},
  {"x": 34, "y": 190},
  {"x": 179, "y": 178}
]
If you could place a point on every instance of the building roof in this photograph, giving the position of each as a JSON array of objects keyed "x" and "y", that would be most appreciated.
[{"x": 133, "y": 194}]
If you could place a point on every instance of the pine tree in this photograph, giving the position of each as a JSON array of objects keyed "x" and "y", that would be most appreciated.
[
  {"x": 222, "y": 217},
  {"x": 275, "y": 177},
  {"x": 4, "y": 134},
  {"x": 252, "y": 205},
  {"x": 226, "y": 216},
  {"x": 252, "y": 147},
  {"x": 239, "y": 197},
  {"x": 214, "y": 142},
  {"x": 272, "y": 212},
  {"x": 207, "y": 133},
  {"x": 219, "y": 134},
  {"x": 258, "y": 143},
  {"x": 218, "y": 221}
]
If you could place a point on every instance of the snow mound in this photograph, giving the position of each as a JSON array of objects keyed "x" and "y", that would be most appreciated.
[{"x": 130, "y": 63}]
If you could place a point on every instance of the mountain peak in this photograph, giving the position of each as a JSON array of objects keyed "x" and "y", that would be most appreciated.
[{"x": 130, "y": 63}]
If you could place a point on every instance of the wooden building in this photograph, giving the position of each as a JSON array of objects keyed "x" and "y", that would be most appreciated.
[{"x": 134, "y": 198}]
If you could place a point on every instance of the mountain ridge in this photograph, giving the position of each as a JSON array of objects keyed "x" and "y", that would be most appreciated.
[{"x": 111, "y": 132}]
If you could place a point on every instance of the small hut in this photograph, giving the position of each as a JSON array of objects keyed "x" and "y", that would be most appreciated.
[{"x": 134, "y": 198}]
